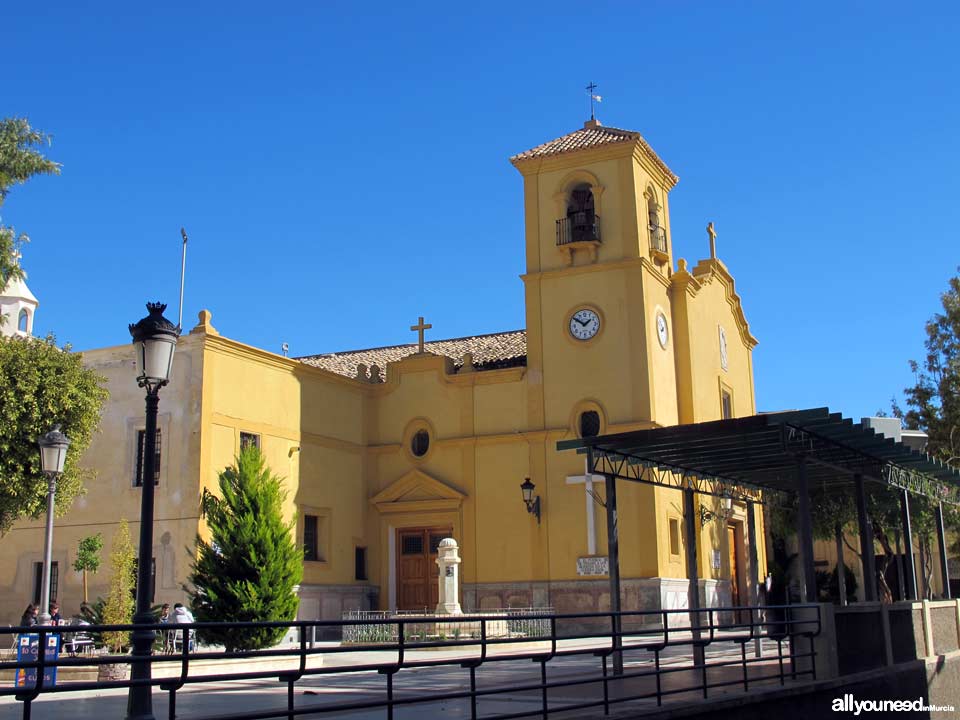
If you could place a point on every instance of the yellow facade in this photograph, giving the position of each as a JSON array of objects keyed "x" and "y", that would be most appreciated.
[{"x": 344, "y": 440}]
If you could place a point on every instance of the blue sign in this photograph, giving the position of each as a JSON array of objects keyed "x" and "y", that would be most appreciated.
[{"x": 28, "y": 650}]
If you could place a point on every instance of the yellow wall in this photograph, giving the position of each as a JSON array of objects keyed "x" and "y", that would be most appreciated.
[{"x": 342, "y": 444}]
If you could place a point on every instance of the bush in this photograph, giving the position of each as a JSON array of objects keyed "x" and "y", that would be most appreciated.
[
  {"x": 118, "y": 608},
  {"x": 248, "y": 570}
]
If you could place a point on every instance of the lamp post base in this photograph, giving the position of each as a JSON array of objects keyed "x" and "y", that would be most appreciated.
[{"x": 140, "y": 699}]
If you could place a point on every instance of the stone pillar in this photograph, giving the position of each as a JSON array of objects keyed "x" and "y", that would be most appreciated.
[{"x": 448, "y": 558}]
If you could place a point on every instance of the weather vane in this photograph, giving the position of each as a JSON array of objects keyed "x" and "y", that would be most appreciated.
[{"x": 593, "y": 98}]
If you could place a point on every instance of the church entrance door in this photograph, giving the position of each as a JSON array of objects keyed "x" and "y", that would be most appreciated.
[
  {"x": 417, "y": 568},
  {"x": 733, "y": 548}
]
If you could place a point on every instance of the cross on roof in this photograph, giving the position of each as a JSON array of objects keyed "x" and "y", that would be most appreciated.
[
  {"x": 420, "y": 327},
  {"x": 590, "y": 88}
]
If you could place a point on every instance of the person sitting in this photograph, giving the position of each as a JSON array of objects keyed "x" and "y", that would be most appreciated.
[
  {"x": 55, "y": 618},
  {"x": 183, "y": 616},
  {"x": 29, "y": 617},
  {"x": 168, "y": 635}
]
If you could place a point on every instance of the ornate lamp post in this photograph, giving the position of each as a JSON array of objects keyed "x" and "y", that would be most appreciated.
[
  {"x": 155, "y": 339},
  {"x": 53, "y": 455}
]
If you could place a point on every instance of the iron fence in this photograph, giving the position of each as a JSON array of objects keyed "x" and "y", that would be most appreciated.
[
  {"x": 648, "y": 645},
  {"x": 658, "y": 238},
  {"x": 378, "y": 625},
  {"x": 579, "y": 227}
]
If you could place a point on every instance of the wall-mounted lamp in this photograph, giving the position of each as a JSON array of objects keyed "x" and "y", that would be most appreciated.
[
  {"x": 726, "y": 503},
  {"x": 532, "y": 503}
]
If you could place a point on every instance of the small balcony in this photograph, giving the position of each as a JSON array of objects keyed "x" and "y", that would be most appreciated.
[
  {"x": 580, "y": 227},
  {"x": 658, "y": 243}
]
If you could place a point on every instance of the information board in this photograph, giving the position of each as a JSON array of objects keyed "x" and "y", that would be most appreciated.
[{"x": 28, "y": 650}]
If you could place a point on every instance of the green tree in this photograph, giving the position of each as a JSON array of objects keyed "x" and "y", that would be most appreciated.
[
  {"x": 933, "y": 405},
  {"x": 41, "y": 384},
  {"x": 250, "y": 566},
  {"x": 933, "y": 401},
  {"x": 88, "y": 558},
  {"x": 118, "y": 609},
  {"x": 21, "y": 158}
]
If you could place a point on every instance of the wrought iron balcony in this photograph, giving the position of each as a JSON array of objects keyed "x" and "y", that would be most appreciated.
[
  {"x": 578, "y": 227},
  {"x": 658, "y": 239}
]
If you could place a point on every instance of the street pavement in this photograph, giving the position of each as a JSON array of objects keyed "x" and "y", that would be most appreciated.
[{"x": 330, "y": 693}]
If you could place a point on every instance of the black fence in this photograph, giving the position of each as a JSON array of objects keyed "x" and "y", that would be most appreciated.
[
  {"x": 661, "y": 653},
  {"x": 578, "y": 227}
]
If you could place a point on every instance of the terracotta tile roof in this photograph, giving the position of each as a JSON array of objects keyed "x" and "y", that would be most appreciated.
[
  {"x": 586, "y": 137},
  {"x": 496, "y": 350},
  {"x": 592, "y": 135}
]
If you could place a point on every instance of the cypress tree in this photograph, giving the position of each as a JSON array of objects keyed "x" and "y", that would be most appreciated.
[{"x": 249, "y": 568}]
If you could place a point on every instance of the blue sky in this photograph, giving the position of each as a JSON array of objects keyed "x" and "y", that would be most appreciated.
[{"x": 334, "y": 162}]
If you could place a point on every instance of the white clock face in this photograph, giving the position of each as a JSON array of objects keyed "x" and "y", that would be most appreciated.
[
  {"x": 662, "y": 334},
  {"x": 584, "y": 324}
]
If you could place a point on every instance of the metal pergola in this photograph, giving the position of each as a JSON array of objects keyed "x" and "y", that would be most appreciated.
[{"x": 766, "y": 457}]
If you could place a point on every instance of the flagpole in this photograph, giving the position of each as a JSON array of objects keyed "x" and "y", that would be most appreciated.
[{"x": 183, "y": 271}]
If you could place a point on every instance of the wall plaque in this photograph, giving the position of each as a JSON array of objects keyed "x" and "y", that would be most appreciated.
[{"x": 593, "y": 565}]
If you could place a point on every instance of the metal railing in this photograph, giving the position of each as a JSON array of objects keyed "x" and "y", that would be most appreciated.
[
  {"x": 578, "y": 227},
  {"x": 578, "y": 649},
  {"x": 658, "y": 238},
  {"x": 379, "y": 625}
]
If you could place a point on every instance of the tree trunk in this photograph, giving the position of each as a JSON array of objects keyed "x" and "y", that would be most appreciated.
[{"x": 84, "y": 587}]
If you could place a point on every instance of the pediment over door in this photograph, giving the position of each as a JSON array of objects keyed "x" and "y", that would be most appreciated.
[{"x": 417, "y": 492}]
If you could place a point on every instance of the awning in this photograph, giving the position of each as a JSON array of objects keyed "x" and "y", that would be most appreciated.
[{"x": 743, "y": 456}]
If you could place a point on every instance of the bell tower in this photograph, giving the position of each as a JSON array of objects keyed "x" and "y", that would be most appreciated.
[
  {"x": 17, "y": 307},
  {"x": 598, "y": 267}
]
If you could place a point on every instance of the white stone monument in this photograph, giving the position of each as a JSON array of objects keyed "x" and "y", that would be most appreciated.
[{"x": 448, "y": 558}]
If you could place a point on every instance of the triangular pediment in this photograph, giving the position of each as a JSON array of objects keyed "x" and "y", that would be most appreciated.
[{"x": 416, "y": 489}]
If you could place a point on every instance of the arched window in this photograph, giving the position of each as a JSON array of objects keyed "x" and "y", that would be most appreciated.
[
  {"x": 658, "y": 235},
  {"x": 23, "y": 321},
  {"x": 581, "y": 217},
  {"x": 589, "y": 423}
]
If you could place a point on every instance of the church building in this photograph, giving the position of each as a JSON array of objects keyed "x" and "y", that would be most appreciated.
[{"x": 386, "y": 451}]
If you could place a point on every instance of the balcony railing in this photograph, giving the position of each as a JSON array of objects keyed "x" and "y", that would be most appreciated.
[
  {"x": 658, "y": 239},
  {"x": 578, "y": 227}
]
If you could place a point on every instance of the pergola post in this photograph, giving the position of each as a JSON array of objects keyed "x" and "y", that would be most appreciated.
[
  {"x": 942, "y": 547},
  {"x": 693, "y": 574},
  {"x": 866, "y": 542},
  {"x": 613, "y": 560},
  {"x": 909, "y": 576},
  {"x": 754, "y": 568},
  {"x": 841, "y": 565},
  {"x": 805, "y": 531},
  {"x": 754, "y": 560}
]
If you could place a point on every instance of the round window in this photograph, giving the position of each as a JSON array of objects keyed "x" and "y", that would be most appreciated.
[
  {"x": 420, "y": 443},
  {"x": 589, "y": 423}
]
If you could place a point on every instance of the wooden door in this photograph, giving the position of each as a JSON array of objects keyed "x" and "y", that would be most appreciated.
[
  {"x": 417, "y": 569},
  {"x": 734, "y": 554}
]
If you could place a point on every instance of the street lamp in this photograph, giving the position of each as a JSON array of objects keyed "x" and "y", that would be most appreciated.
[
  {"x": 726, "y": 504},
  {"x": 532, "y": 503},
  {"x": 155, "y": 339},
  {"x": 53, "y": 455}
]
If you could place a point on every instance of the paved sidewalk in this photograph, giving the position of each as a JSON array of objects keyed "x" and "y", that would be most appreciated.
[{"x": 331, "y": 691}]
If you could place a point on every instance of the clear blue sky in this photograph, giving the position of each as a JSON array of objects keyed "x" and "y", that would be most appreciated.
[{"x": 341, "y": 168}]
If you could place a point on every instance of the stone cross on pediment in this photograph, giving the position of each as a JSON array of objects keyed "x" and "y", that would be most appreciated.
[{"x": 419, "y": 328}]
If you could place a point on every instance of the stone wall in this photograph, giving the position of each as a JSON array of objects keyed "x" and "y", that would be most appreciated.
[
  {"x": 329, "y": 602},
  {"x": 593, "y": 595}
]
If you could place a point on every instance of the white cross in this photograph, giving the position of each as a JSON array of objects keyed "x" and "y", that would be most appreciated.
[{"x": 588, "y": 480}]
